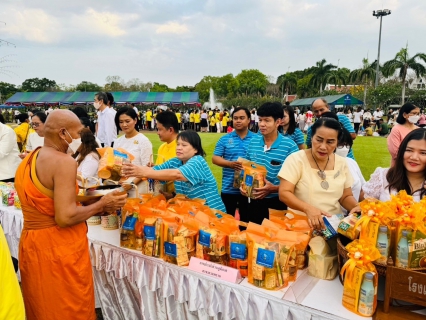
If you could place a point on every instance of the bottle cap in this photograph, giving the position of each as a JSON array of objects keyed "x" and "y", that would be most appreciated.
[
  {"x": 404, "y": 233},
  {"x": 368, "y": 276},
  {"x": 383, "y": 229}
]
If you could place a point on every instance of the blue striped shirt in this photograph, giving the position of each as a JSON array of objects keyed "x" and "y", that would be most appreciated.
[
  {"x": 296, "y": 136},
  {"x": 201, "y": 183},
  {"x": 230, "y": 147},
  {"x": 345, "y": 123},
  {"x": 273, "y": 158}
]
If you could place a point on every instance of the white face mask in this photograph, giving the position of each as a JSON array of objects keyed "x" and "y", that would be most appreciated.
[
  {"x": 96, "y": 105},
  {"x": 343, "y": 152},
  {"x": 74, "y": 145},
  {"x": 413, "y": 119}
]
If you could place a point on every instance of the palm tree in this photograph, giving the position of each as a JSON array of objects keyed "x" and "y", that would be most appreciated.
[
  {"x": 403, "y": 62},
  {"x": 287, "y": 81},
  {"x": 338, "y": 77},
  {"x": 364, "y": 75},
  {"x": 320, "y": 73}
]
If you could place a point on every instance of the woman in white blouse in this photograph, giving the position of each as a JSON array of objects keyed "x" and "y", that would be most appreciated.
[
  {"x": 408, "y": 173},
  {"x": 132, "y": 141},
  {"x": 35, "y": 139},
  {"x": 87, "y": 156}
]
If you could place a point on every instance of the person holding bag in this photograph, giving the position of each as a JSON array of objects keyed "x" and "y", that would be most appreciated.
[{"x": 23, "y": 131}]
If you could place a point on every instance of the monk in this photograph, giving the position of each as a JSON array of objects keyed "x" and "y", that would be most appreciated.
[{"x": 54, "y": 259}]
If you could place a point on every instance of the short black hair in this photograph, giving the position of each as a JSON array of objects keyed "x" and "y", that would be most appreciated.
[
  {"x": 2, "y": 119},
  {"x": 330, "y": 114},
  {"x": 406, "y": 108},
  {"x": 346, "y": 138},
  {"x": 328, "y": 123},
  {"x": 271, "y": 109},
  {"x": 110, "y": 98},
  {"x": 41, "y": 115},
  {"x": 23, "y": 116},
  {"x": 102, "y": 96},
  {"x": 168, "y": 120},
  {"x": 85, "y": 122},
  {"x": 127, "y": 111},
  {"x": 80, "y": 112},
  {"x": 244, "y": 109},
  {"x": 194, "y": 140}
]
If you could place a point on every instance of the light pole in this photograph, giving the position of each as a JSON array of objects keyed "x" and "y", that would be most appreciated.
[{"x": 379, "y": 14}]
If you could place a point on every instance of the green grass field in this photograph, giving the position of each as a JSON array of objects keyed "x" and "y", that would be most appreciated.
[{"x": 370, "y": 152}]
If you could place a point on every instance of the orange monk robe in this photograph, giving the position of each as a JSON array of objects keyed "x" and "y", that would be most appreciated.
[{"x": 56, "y": 272}]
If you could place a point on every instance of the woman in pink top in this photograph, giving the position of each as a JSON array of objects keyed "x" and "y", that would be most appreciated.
[{"x": 408, "y": 116}]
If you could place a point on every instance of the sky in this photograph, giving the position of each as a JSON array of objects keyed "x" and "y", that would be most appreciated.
[{"x": 178, "y": 42}]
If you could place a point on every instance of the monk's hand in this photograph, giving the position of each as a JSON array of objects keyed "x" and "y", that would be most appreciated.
[
  {"x": 113, "y": 201},
  {"x": 132, "y": 170}
]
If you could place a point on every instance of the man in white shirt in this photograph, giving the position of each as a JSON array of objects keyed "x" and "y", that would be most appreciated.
[
  {"x": 377, "y": 115},
  {"x": 49, "y": 110},
  {"x": 107, "y": 131}
]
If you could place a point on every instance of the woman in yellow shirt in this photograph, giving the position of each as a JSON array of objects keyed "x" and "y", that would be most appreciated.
[
  {"x": 212, "y": 123},
  {"x": 23, "y": 131},
  {"x": 197, "y": 120},
  {"x": 224, "y": 122},
  {"x": 191, "y": 121}
]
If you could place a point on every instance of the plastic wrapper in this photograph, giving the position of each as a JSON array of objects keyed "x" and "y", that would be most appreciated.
[
  {"x": 290, "y": 220},
  {"x": 239, "y": 174},
  {"x": 270, "y": 257},
  {"x": 238, "y": 253},
  {"x": 129, "y": 215},
  {"x": 361, "y": 253},
  {"x": 347, "y": 226},
  {"x": 254, "y": 177},
  {"x": 322, "y": 259},
  {"x": 111, "y": 162}
]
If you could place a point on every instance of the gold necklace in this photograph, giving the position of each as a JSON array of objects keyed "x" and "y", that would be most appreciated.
[{"x": 321, "y": 173}]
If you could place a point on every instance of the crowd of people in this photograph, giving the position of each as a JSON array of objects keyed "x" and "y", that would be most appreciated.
[{"x": 317, "y": 176}]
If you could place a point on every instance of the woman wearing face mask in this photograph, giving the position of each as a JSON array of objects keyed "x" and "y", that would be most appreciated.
[
  {"x": 408, "y": 172},
  {"x": 132, "y": 141},
  {"x": 408, "y": 116},
  {"x": 189, "y": 171},
  {"x": 87, "y": 156},
  {"x": 290, "y": 129},
  {"x": 316, "y": 181},
  {"x": 35, "y": 139}
]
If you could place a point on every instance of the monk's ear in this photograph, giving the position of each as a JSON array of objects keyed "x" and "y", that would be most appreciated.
[{"x": 62, "y": 133}]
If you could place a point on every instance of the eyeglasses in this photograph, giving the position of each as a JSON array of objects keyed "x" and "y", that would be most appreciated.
[{"x": 35, "y": 124}]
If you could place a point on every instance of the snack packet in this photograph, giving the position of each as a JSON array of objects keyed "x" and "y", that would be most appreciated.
[
  {"x": 239, "y": 174},
  {"x": 254, "y": 177},
  {"x": 111, "y": 162}
]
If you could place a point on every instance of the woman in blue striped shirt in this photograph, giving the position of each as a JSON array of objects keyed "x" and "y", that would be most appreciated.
[
  {"x": 289, "y": 128},
  {"x": 189, "y": 171}
]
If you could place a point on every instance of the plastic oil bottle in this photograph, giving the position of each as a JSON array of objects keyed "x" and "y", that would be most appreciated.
[
  {"x": 383, "y": 243},
  {"x": 366, "y": 295},
  {"x": 402, "y": 251}
]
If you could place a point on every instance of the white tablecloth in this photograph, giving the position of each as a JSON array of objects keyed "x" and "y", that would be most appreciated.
[{"x": 132, "y": 286}]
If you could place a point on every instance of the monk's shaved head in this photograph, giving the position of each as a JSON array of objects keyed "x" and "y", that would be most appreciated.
[{"x": 61, "y": 127}]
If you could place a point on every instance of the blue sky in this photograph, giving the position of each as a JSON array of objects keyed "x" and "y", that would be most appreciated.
[{"x": 178, "y": 42}]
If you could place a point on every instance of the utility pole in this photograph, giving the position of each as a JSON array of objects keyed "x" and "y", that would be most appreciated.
[{"x": 379, "y": 14}]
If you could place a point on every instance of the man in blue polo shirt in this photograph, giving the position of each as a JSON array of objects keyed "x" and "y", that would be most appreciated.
[
  {"x": 269, "y": 149},
  {"x": 228, "y": 149},
  {"x": 319, "y": 106}
]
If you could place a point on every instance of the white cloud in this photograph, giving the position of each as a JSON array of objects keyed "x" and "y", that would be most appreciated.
[
  {"x": 173, "y": 28},
  {"x": 34, "y": 25}
]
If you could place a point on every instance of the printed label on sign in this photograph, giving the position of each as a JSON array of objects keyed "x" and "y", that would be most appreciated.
[
  {"x": 265, "y": 258},
  {"x": 129, "y": 224},
  {"x": 149, "y": 232},
  {"x": 249, "y": 181},
  {"x": 120, "y": 154},
  {"x": 238, "y": 251},
  {"x": 170, "y": 249},
  {"x": 204, "y": 238}
]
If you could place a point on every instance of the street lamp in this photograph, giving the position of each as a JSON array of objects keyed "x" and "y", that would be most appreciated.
[{"x": 379, "y": 14}]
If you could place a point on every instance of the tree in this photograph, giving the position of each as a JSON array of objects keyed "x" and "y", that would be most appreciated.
[
  {"x": 252, "y": 81},
  {"x": 185, "y": 89},
  {"x": 158, "y": 87},
  {"x": 203, "y": 87},
  {"x": 304, "y": 87},
  {"x": 224, "y": 85},
  {"x": 338, "y": 77},
  {"x": 287, "y": 81},
  {"x": 114, "y": 83},
  {"x": 7, "y": 90},
  {"x": 39, "y": 85},
  {"x": 364, "y": 75},
  {"x": 385, "y": 94},
  {"x": 320, "y": 72},
  {"x": 88, "y": 86},
  {"x": 403, "y": 62}
]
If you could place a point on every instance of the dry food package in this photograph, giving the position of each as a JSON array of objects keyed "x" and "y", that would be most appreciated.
[
  {"x": 300, "y": 239},
  {"x": 129, "y": 216},
  {"x": 111, "y": 162},
  {"x": 152, "y": 237},
  {"x": 254, "y": 177},
  {"x": 238, "y": 253},
  {"x": 347, "y": 226},
  {"x": 239, "y": 174},
  {"x": 269, "y": 256},
  {"x": 290, "y": 220},
  {"x": 416, "y": 241},
  {"x": 322, "y": 259}
]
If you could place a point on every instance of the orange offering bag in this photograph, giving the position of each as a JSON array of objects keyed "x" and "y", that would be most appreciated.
[
  {"x": 112, "y": 161},
  {"x": 290, "y": 220},
  {"x": 130, "y": 225},
  {"x": 254, "y": 177}
]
